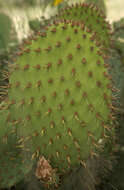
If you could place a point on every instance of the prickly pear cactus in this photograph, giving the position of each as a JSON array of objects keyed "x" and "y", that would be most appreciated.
[
  {"x": 14, "y": 165},
  {"x": 91, "y": 16},
  {"x": 59, "y": 98}
]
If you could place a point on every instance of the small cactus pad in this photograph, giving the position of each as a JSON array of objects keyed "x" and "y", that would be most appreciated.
[
  {"x": 13, "y": 164},
  {"x": 92, "y": 17},
  {"x": 60, "y": 95}
]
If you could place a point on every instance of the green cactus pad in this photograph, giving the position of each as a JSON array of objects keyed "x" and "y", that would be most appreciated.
[
  {"x": 5, "y": 31},
  {"x": 60, "y": 95},
  {"x": 14, "y": 165},
  {"x": 92, "y": 17}
]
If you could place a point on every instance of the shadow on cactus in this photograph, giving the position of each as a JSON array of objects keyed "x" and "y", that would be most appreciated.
[
  {"x": 5, "y": 31},
  {"x": 14, "y": 163}
]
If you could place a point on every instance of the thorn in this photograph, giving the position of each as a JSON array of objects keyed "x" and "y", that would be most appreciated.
[
  {"x": 90, "y": 135},
  {"x": 75, "y": 31},
  {"x": 76, "y": 116},
  {"x": 22, "y": 102},
  {"x": 20, "y": 146},
  {"x": 63, "y": 120},
  {"x": 49, "y": 111},
  {"x": 29, "y": 84},
  {"x": 78, "y": 84},
  {"x": 53, "y": 30},
  {"x": 70, "y": 56},
  {"x": 27, "y": 50},
  {"x": 106, "y": 127},
  {"x": 76, "y": 144},
  {"x": 65, "y": 147},
  {"x": 52, "y": 124},
  {"x": 59, "y": 62},
  {"x": 84, "y": 95},
  {"x": 68, "y": 159},
  {"x": 37, "y": 66},
  {"x": 38, "y": 113},
  {"x": 26, "y": 67},
  {"x": 31, "y": 101},
  {"x": 64, "y": 27},
  {"x": 90, "y": 74},
  {"x": 98, "y": 116},
  {"x": 28, "y": 138},
  {"x": 17, "y": 84},
  {"x": 28, "y": 117},
  {"x": 57, "y": 154},
  {"x": 58, "y": 136},
  {"x": 27, "y": 42},
  {"x": 84, "y": 61},
  {"x": 33, "y": 155},
  {"x": 48, "y": 49},
  {"x": 43, "y": 99},
  {"x": 69, "y": 132},
  {"x": 93, "y": 142},
  {"x": 93, "y": 154},
  {"x": 91, "y": 48},
  {"x": 111, "y": 117},
  {"x": 54, "y": 94},
  {"x": 58, "y": 44},
  {"x": 73, "y": 71},
  {"x": 68, "y": 39},
  {"x": 99, "y": 84},
  {"x": 83, "y": 163},
  {"x": 50, "y": 141},
  {"x": 83, "y": 123},
  {"x": 91, "y": 107},
  {"x": 19, "y": 53},
  {"x": 60, "y": 106},
  {"x": 43, "y": 131},
  {"x": 43, "y": 34},
  {"x": 84, "y": 36},
  {"x": 35, "y": 134},
  {"x": 50, "y": 81},
  {"x": 104, "y": 136},
  {"x": 72, "y": 102},
  {"x": 38, "y": 50},
  {"x": 38, "y": 84},
  {"x": 62, "y": 78},
  {"x": 67, "y": 92}
]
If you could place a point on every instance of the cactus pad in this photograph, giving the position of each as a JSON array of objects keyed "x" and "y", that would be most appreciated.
[
  {"x": 92, "y": 17},
  {"x": 59, "y": 95}
]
